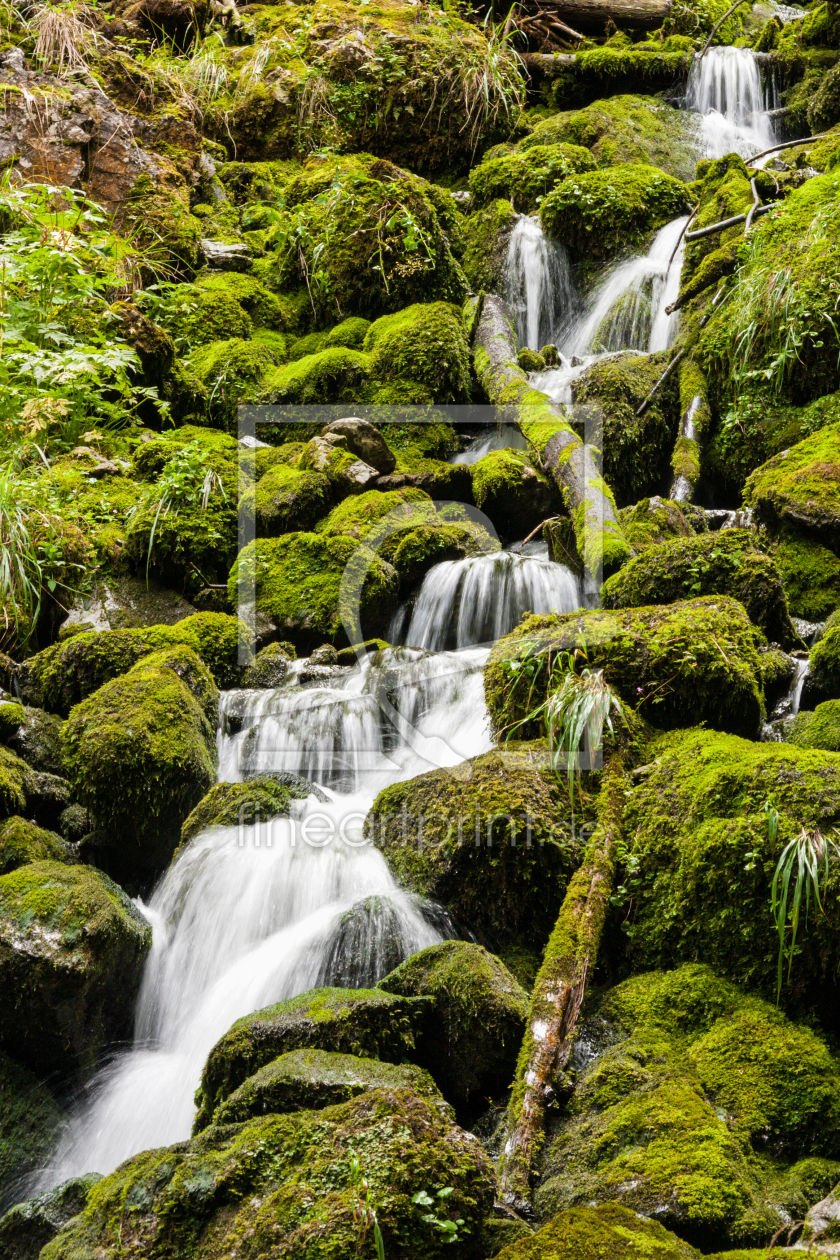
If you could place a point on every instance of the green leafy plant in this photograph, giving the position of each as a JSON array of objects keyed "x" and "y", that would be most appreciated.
[
  {"x": 801, "y": 874},
  {"x": 452, "y": 1231},
  {"x": 184, "y": 482},
  {"x": 365, "y": 1213}
]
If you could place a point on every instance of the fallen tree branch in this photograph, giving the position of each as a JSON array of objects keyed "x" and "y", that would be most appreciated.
[
  {"x": 720, "y": 23},
  {"x": 678, "y": 358},
  {"x": 790, "y": 144},
  {"x": 545, "y": 426},
  {"x": 728, "y": 223},
  {"x": 559, "y": 991}
]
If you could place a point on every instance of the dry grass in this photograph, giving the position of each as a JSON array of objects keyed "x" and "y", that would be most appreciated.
[{"x": 65, "y": 36}]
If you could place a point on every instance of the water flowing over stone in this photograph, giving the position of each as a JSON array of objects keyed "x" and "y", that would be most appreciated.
[
  {"x": 540, "y": 286},
  {"x": 725, "y": 88},
  {"x": 497, "y": 437},
  {"x": 463, "y": 602}
]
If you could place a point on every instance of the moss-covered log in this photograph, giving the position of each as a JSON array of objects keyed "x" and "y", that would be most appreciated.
[{"x": 568, "y": 460}]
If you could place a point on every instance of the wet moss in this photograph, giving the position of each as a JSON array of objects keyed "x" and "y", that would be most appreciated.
[
  {"x": 692, "y": 661},
  {"x": 289, "y": 1181},
  {"x": 486, "y": 237},
  {"x": 30, "y": 1225},
  {"x": 22, "y": 841},
  {"x": 15, "y": 778},
  {"x": 825, "y": 663},
  {"x": 306, "y": 1080},
  {"x": 527, "y": 175},
  {"x": 471, "y": 1036},
  {"x": 728, "y": 563},
  {"x": 496, "y": 845},
  {"x": 239, "y": 804},
  {"x": 801, "y": 487},
  {"x": 355, "y": 517},
  {"x": 607, "y": 1231},
  {"x": 287, "y": 498},
  {"x": 30, "y": 1120},
  {"x": 819, "y": 728},
  {"x": 423, "y": 344},
  {"x": 71, "y": 956},
  {"x": 37, "y": 739},
  {"x": 653, "y": 521},
  {"x": 12, "y": 717},
  {"x": 599, "y": 212},
  {"x": 365, "y": 1022},
  {"x": 146, "y": 727},
  {"x": 512, "y": 493},
  {"x": 334, "y": 375},
  {"x": 811, "y": 577},
  {"x": 703, "y": 858}
]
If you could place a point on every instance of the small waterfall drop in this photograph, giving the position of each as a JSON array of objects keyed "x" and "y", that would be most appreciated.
[
  {"x": 540, "y": 287},
  {"x": 725, "y": 88},
  {"x": 463, "y": 602},
  {"x": 497, "y": 437}
]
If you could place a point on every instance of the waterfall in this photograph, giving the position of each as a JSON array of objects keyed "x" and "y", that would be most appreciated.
[
  {"x": 462, "y": 602},
  {"x": 724, "y": 87},
  {"x": 540, "y": 287},
  {"x": 498, "y": 437},
  {"x": 248, "y": 915}
]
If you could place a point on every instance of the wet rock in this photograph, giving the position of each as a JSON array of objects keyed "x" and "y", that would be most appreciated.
[
  {"x": 30, "y": 1225},
  {"x": 125, "y": 603},
  {"x": 270, "y": 668},
  {"x": 364, "y": 440},
  {"x": 30, "y": 1121},
  {"x": 22, "y": 841},
  {"x": 38, "y": 741},
  {"x": 242, "y": 804},
  {"x": 608, "y": 1230}
]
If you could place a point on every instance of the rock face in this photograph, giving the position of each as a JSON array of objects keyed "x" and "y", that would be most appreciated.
[
  {"x": 30, "y": 1120},
  {"x": 366, "y": 1022},
  {"x": 72, "y": 947},
  {"x": 608, "y": 1230},
  {"x": 290, "y": 1181},
  {"x": 29, "y": 1226}
]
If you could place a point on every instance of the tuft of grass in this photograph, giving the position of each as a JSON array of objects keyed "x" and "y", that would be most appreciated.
[
  {"x": 801, "y": 874},
  {"x": 64, "y": 36},
  {"x": 20, "y": 566}
]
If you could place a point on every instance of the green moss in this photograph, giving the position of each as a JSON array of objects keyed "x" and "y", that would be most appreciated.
[
  {"x": 30, "y": 1225},
  {"x": 359, "y": 514},
  {"x": 71, "y": 956},
  {"x": 297, "y": 579},
  {"x": 486, "y": 235},
  {"x": 22, "y": 841},
  {"x": 801, "y": 487},
  {"x": 758, "y": 427},
  {"x": 693, "y": 661},
  {"x": 305, "y": 1080},
  {"x": 508, "y": 488},
  {"x": 15, "y": 777},
  {"x": 608, "y": 1232},
  {"x": 471, "y": 1036},
  {"x": 706, "y": 862},
  {"x": 495, "y": 845},
  {"x": 531, "y": 361},
  {"x": 145, "y": 727},
  {"x": 12, "y": 717},
  {"x": 817, "y": 729},
  {"x": 365, "y": 1022},
  {"x": 350, "y": 332},
  {"x": 239, "y": 804},
  {"x": 287, "y": 498},
  {"x": 525, "y": 177},
  {"x": 653, "y": 521},
  {"x": 265, "y": 308},
  {"x": 289, "y": 1180},
  {"x": 232, "y": 370},
  {"x": 825, "y": 662},
  {"x": 636, "y": 449},
  {"x": 623, "y": 129},
  {"x": 335, "y": 375},
  {"x": 156, "y": 214},
  {"x": 30, "y": 1119},
  {"x": 627, "y": 68},
  {"x": 811, "y": 577},
  {"x": 426, "y": 344},
  {"x": 728, "y": 563}
]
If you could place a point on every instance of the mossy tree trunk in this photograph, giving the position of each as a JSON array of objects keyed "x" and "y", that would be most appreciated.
[
  {"x": 569, "y": 461},
  {"x": 559, "y": 992}
]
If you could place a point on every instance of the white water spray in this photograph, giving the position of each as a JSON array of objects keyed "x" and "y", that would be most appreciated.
[
  {"x": 540, "y": 288},
  {"x": 725, "y": 88}
]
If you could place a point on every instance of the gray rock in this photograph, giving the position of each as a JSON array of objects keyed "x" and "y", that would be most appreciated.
[
  {"x": 364, "y": 440},
  {"x": 29, "y": 1226},
  {"x": 38, "y": 741}
]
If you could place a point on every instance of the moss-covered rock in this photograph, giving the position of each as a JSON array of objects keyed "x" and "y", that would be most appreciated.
[
  {"x": 328, "y": 376},
  {"x": 527, "y": 175},
  {"x": 471, "y": 1036},
  {"x": 692, "y": 661},
  {"x": 307, "y": 1080},
  {"x": 63, "y": 675},
  {"x": 426, "y": 345},
  {"x": 270, "y": 667},
  {"x": 72, "y": 947},
  {"x": 608, "y": 1231},
  {"x": 486, "y": 238},
  {"x": 30, "y": 1120},
  {"x": 653, "y": 521},
  {"x": 305, "y": 1182},
  {"x": 240, "y": 804},
  {"x": 288, "y": 499},
  {"x": 819, "y": 728},
  {"x": 509, "y": 489},
  {"x": 37, "y": 739},
  {"x": 365, "y": 1022},
  {"x": 297, "y": 581},
  {"x": 598, "y": 212},
  {"x": 801, "y": 488},
  {"x": 22, "y": 841},
  {"x": 495, "y": 845},
  {"x": 707, "y": 861},
  {"x": 810, "y": 575},
  {"x": 12, "y": 717},
  {"x": 636, "y": 449},
  {"x": 147, "y": 727},
  {"x": 727, "y": 563},
  {"x": 30, "y": 1225},
  {"x": 624, "y": 129},
  {"x": 15, "y": 784},
  {"x": 232, "y": 371},
  {"x": 824, "y": 682}
]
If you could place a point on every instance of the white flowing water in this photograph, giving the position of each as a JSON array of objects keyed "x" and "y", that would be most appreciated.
[
  {"x": 540, "y": 287},
  {"x": 478, "y": 600},
  {"x": 725, "y": 89},
  {"x": 249, "y": 915},
  {"x": 499, "y": 437}
]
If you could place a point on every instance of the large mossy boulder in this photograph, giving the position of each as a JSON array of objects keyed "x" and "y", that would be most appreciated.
[
  {"x": 72, "y": 948},
  {"x": 607, "y": 1231},
  {"x": 525, "y": 176},
  {"x": 818, "y": 728},
  {"x": 702, "y": 866},
  {"x": 27, "y": 1227},
  {"x": 366, "y": 1022},
  {"x": 287, "y": 498},
  {"x": 801, "y": 488},
  {"x": 297, "y": 580},
  {"x": 472, "y": 1033},
  {"x": 693, "y": 661},
  {"x": 653, "y": 521},
  {"x": 241, "y": 804},
  {"x": 30, "y": 1121},
  {"x": 301, "y": 1184},
  {"x": 425, "y": 345},
  {"x": 493, "y": 842},
  {"x": 142, "y": 753},
  {"x": 695, "y": 1107},
  {"x": 307, "y": 1080},
  {"x": 728, "y": 563},
  {"x": 599, "y": 212},
  {"x": 623, "y": 129},
  {"x": 513, "y": 493},
  {"x": 22, "y": 841}
]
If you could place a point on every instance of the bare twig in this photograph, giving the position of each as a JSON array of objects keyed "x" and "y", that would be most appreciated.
[{"x": 719, "y": 24}]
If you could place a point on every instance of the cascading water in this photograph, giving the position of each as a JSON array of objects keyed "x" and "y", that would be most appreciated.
[
  {"x": 724, "y": 87},
  {"x": 497, "y": 437},
  {"x": 540, "y": 287},
  {"x": 252, "y": 914},
  {"x": 478, "y": 600}
]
